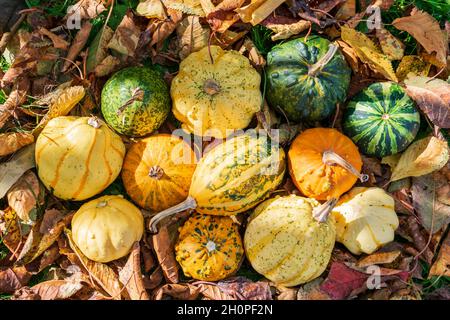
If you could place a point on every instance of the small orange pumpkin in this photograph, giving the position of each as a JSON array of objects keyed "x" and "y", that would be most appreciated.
[
  {"x": 157, "y": 171},
  {"x": 324, "y": 163}
]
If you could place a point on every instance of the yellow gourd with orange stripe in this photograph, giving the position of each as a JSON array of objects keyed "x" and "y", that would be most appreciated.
[{"x": 78, "y": 157}]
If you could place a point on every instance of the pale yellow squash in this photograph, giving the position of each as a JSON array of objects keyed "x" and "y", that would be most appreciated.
[
  {"x": 365, "y": 219},
  {"x": 215, "y": 93},
  {"x": 78, "y": 157},
  {"x": 105, "y": 229}
]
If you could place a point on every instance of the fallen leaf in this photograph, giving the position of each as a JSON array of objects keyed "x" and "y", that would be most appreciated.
[
  {"x": 15, "y": 99},
  {"x": 434, "y": 214},
  {"x": 311, "y": 291},
  {"x": 11, "y": 235},
  {"x": 441, "y": 267},
  {"x": 191, "y": 7},
  {"x": 131, "y": 277},
  {"x": 285, "y": 31},
  {"x": 343, "y": 281},
  {"x": 13, "y": 169},
  {"x": 414, "y": 65},
  {"x": 422, "y": 157},
  {"x": 57, "y": 289},
  {"x": 258, "y": 10},
  {"x": 151, "y": 9},
  {"x": 98, "y": 49},
  {"x": 58, "y": 42},
  {"x": 212, "y": 291},
  {"x": 286, "y": 293},
  {"x": 242, "y": 288},
  {"x": 192, "y": 36},
  {"x": 13, "y": 279},
  {"x": 107, "y": 66},
  {"x": 38, "y": 242},
  {"x": 425, "y": 29},
  {"x": 86, "y": 9},
  {"x": 26, "y": 196},
  {"x": 164, "y": 250},
  {"x": 161, "y": 30},
  {"x": 419, "y": 240},
  {"x": 126, "y": 36},
  {"x": 255, "y": 57},
  {"x": 346, "y": 10},
  {"x": 183, "y": 291},
  {"x": 393, "y": 48},
  {"x": 25, "y": 293},
  {"x": 77, "y": 45},
  {"x": 433, "y": 98},
  {"x": 368, "y": 52},
  {"x": 10, "y": 142},
  {"x": 378, "y": 258},
  {"x": 100, "y": 272},
  {"x": 439, "y": 294}
]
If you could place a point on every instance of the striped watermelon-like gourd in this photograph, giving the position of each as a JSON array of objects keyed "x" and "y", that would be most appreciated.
[
  {"x": 382, "y": 119},
  {"x": 233, "y": 177}
]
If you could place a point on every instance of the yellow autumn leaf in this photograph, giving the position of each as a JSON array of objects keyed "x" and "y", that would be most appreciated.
[
  {"x": 258, "y": 10},
  {"x": 421, "y": 157},
  {"x": 10, "y": 142},
  {"x": 391, "y": 160},
  {"x": 368, "y": 52},
  {"x": 193, "y": 7},
  {"x": 393, "y": 48},
  {"x": 414, "y": 65},
  {"x": 151, "y": 9}
]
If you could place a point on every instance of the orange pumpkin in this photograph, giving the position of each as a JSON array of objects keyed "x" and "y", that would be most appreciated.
[
  {"x": 324, "y": 163},
  {"x": 157, "y": 171}
]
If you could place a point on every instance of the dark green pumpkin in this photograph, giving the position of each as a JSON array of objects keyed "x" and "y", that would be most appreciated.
[
  {"x": 142, "y": 114},
  {"x": 381, "y": 119},
  {"x": 300, "y": 93}
]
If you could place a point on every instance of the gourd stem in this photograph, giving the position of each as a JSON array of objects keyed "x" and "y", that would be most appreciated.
[
  {"x": 94, "y": 122},
  {"x": 156, "y": 172},
  {"x": 329, "y": 158},
  {"x": 211, "y": 87},
  {"x": 136, "y": 95},
  {"x": 322, "y": 212},
  {"x": 189, "y": 203},
  {"x": 316, "y": 67}
]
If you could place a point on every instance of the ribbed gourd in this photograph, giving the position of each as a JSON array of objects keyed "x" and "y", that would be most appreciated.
[
  {"x": 209, "y": 248},
  {"x": 157, "y": 171},
  {"x": 382, "y": 119},
  {"x": 289, "y": 239},
  {"x": 233, "y": 177},
  {"x": 78, "y": 157}
]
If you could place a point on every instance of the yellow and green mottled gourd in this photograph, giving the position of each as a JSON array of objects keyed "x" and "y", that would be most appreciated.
[
  {"x": 233, "y": 177},
  {"x": 285, "y": 242}
]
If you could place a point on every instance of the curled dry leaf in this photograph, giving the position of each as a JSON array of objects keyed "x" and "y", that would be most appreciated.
[
  {"x": 161, "y": 30},
  {"x": 425, "y": 29},
  {"x": 258, "y": 10},
  {"x": 26, "y": 196},
  {"x": 77, "y": 45},
  {"x": 58, "y": 42},
  {"x": 16, "y": 98},
  {"x": 10, "y": 142},
  {"x": 412, "y": 65},
  {"x": 368, "y": 52},
  {"x": 164, "y": 250},
  {"x": 107, "y": 66},
  {"x": 192, "y": 36},
  {"x": 212, "y": 291},
  {"x": 131, "y": 277},
  {"x": 285, "y": 31},
  {"x": 191, "y": 7},
  {"x": 393, "y": 48},
  {"x": 311, "y": 291},
  {"x": 86, "y": 9},
  {"x": 256, "y": 59},
  {"x": 433, "y": 98},
  {"x": 10, "y": 232},
  {"x": 379, "y": 258},
  {"x": 151, "y": 9},
  {"x": 126, "y": 36},
  {"x": 57, "y": 289},
  {"x": 422, "y": 157},
  {"x": 101, "y": 273},
  {"x": 242, "y": 288},
  {"x": 13, "y": 279},
  {"x": 13, "y": 169},
  {"x": 441, "y": 267},
  {"x": 177, "y": 291}
]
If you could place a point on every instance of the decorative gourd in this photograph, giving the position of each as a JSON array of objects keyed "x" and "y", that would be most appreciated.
[
  {"x": 215, "y": 91},
  {"x": 306, "y": 78},
  {"x": 78, "y": 157},
  {"x": 157, "y": 171},
  {"x": 382, "y": 119},
  {"x": 365, "y": 219},
  {"x": 288, "y": 243},
  {"x": 105, "y": 229},
  {"x": 135, "y": 101},
  {"x": 209, "y": 247},
  {"x": 324, "y": 163},
  {"x": 232, "y": 177}
]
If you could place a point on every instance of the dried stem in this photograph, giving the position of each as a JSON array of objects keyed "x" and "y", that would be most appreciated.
[
  {"x": 189, "y": 203},
  {"x": 322, "y": 212},
  {"x": 326, "y": 58},
  {"x": 330, "y": 157}
]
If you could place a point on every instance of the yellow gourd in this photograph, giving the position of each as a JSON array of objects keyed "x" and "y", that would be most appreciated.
[
  {"x": 289, "y": 239},
  {"x": 365, "y": 219},
  {"x": 78, "y": 157},
  {"x": 215, "y": 91},
  {"x": 105, "y": 229}
]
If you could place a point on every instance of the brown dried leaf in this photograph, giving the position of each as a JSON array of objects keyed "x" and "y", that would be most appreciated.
[
  {"x": 15, "y": 99},
  {"x": 256, "y": 59},
  {"x": 161, "y": 30},
  {"x": 425, "y": 29},
  {"x": 77, "y": 44},
  {"x": 212, "y": 291},
  {"x": 393, "y": 48},
  {"x": 441, "y": 267},
  {"x": 191, "y": 7},
  {"x": 13, "y": 279},
  {"x": 183, "y": 291},
  {"x": 311, "y": 291},
  {"x": 11, "y": 235},
  {"x": 25, "y": 197},
  {"x": 10, "y": 142},
  {"x": 151, "y": 9},
  {"x": 414, "y": 65},
  {"x": 240, "y": 288},
  {"x": 107, "y": 66},
  {"x": 126, "y": 36},
  {"x": 100, "y": 272},
  {"x": 87, "y": 9},
  {"x": 378, "y": 258},
  {"x": 57, "y": 289},
  {"x": 347, "y": 10},
  {"x": 58, "y": 42},
  {"x": 164, "y": 250},
  {"x": 192, "y": 36},
  {"x": 418, "y": 238},
  {"x": 131, "y": 277},
  {"x": 433, "y": 98},
  {"x": 285, "y": 31},
  {"x": 258, "y": 10}
]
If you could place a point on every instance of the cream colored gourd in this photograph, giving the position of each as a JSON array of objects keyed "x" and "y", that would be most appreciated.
[
  {"x": 365, "y": 219},
  {"x": 78, "y": 157},
  {"x": 105, "y": 229},
  {"x": 285, "y": 242}
]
